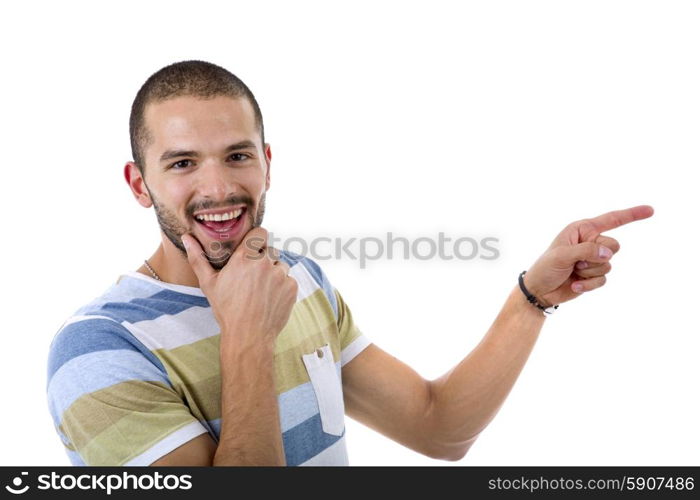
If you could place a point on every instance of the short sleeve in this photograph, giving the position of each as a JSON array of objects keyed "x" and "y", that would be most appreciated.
[
  {"x": 111, "y": 401},
  {"x": 352, "y": 340}
]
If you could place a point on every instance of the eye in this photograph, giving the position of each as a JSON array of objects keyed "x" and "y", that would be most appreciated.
[
  {"x": 179, "y": 165},
  {"x": 239, "y": 156}
]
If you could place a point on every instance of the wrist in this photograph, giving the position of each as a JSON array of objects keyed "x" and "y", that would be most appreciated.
[
  {"x": 247, "y": 343},
  {"x": 526, "y": 307},
  {"x": 541, "y": 298},
  {"x": 534, "y": 296}
]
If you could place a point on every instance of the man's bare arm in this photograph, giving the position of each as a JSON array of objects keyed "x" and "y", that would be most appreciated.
[
  {"x": 442, "y": 418},
  {"x": 250, "y": 425},
  {"x": 250, "y": 429},
  {"x": 467, "y": 398}
]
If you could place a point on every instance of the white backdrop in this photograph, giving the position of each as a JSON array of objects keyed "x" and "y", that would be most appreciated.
[{"x": 506, "y": 119}]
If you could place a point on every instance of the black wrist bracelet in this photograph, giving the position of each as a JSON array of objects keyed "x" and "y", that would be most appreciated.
[{"x": 532, "y": 299}]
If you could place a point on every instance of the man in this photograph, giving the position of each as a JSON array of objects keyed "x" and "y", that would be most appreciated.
[{"x": 222, "y": 351}]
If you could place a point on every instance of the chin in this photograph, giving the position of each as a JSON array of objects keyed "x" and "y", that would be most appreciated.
[{"x": 220, "y": 260}]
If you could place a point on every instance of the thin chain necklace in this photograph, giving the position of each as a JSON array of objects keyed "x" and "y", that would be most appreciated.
[{"x": 152, "y": 271}]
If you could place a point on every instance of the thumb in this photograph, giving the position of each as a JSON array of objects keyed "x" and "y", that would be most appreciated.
[
  {"x": 588, "y": 251},
  {"x": 198, "y": 261}
]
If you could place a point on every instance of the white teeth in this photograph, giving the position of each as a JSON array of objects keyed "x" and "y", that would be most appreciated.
[{"x": 220, "y": 217}]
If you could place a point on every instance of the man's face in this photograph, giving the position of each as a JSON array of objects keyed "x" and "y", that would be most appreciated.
[{"x": 206, "y": 155}]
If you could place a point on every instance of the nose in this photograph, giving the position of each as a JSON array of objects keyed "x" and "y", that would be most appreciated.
[{"x": 216, "y": 181}]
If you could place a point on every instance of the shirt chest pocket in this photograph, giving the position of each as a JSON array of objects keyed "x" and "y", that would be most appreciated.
[{"x": 327, "y": 387}]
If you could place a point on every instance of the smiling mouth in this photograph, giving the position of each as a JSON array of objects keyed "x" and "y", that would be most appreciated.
[{"x": 221, "y": 223}]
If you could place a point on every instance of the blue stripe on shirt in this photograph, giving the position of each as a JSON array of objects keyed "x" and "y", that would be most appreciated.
[
  {"x": 306, "y": 440},
  {"x": 91, "y": 335}
]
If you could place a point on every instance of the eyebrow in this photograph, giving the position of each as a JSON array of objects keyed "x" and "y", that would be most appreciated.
[{"x": 177, "y": 153}]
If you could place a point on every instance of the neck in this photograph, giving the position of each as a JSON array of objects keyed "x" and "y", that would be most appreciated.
[{"x": 170, "y": 265}]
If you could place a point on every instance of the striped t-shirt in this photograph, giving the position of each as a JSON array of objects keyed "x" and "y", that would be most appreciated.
[{"x": 136, "y": 372}]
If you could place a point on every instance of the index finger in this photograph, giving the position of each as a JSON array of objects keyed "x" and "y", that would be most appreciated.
[
  {"x": 618, "y": 218},
  {"x": 197, "y": 259}
]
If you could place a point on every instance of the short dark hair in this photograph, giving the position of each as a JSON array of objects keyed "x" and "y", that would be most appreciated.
[{"x": 186, "y": 78}]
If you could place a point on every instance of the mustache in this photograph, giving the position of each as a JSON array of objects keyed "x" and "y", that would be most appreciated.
[{"x": 246, "y": 200}]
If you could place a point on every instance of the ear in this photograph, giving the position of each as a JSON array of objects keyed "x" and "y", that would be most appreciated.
[
  {"x": 137, "y": 184},
  {"x": 268, "y": 160}
]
